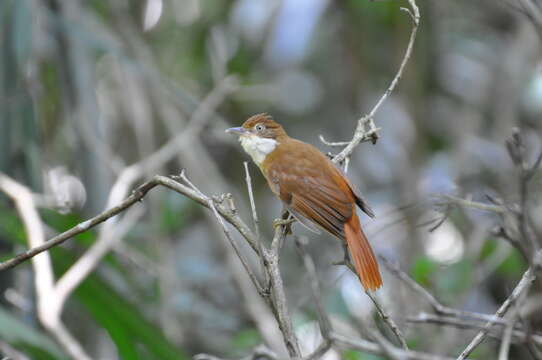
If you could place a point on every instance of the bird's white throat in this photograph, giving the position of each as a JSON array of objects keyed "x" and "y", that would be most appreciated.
[{"x": 257, "y": 147}]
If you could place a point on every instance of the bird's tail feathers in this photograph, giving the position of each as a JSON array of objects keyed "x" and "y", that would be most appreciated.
[{"x": 362, "y": 254}]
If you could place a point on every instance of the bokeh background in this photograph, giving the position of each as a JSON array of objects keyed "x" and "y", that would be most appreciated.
[{"x": 97, "y": 96}]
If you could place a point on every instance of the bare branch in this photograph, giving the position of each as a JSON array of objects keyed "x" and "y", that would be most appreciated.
[
  {"x": 256, "y": 222},
  {"x": 259, "y": 352},
  {"x": 91, "y": 258},
  {"x": 507, "y": 339},
  {"x": 136, "y": 196},
  {"x": 373, "y": 348},
  {"x": 380, "y": 309},
  {"x": 244, "y": 262},
  {"x": 252, "y": 203},
  {"x": 474, "y": 204},
  {"x": 534, "y": 168},
  {"x": 388, "y": 320},
  {"x": 323, "y": 319},
  {"x": 361, "y": 134},
  {"x": 47, "y": 304},
  {"x": 271, "y": 261},
  {"x": 519, "y": 335},
  {"x": 320, "y": 351},
  {"x": 438, "y": 307},
  {"x": 523, "y": 286}
]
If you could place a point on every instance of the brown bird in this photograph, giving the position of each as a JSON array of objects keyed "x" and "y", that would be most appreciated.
[{"x": 312, "y": 188}]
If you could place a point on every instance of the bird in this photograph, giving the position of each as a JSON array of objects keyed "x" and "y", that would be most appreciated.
[{"x": 312, "y": 188}]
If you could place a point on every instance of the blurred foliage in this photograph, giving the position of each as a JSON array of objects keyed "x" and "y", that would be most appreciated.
[
  {"x": 133, "y": 335},
  {"x": 422, "y": 269},
  {"x": 245, "y": 340},
  {"x": 356, "y": 355},
  {"x": 25, "y": 337}
]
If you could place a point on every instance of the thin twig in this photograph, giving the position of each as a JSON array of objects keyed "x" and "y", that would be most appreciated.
[
  {"x": 389, "y": 350},
  {"x": 211, "y": 205},
  {"x": 450, "y": 199},
  {"x": 438, "y": 307},
  {"x": 380, "y": 309},
  {"x": 88, "y": 262},
  {"x": 374, "y": 348},
  {"x": 523, "y": 286},
  {"x": 323, "y": 319},
  {"x": 507, "y": 339},
  {"x": 279, "y": 297},
  {"x": 519, "y": 334},
  {"x": 360, "y": 133},
  {"x": 517, "y": 152},
  {"x": 252, "y": 202},
  {"x": 271, "y": 257},
  {"x": 248, "y": 180},
  {"x": 136, "y": 196},
  {"x": 534, "y": 168},
  {"x": 49, "y": 311},
  {"x": 322, "y": 349},
  {"x": 259, "y": 352},
  {"x": 388, "y": 320},
  {"x": 271, "y": 262}
]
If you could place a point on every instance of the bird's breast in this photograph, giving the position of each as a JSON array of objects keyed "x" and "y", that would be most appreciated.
[{"x": 258, "y": 148}]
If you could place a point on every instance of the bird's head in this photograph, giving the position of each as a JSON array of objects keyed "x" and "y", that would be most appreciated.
[
  {"x": 260, "y": 125},
  {"x": 259, "y": 136}
]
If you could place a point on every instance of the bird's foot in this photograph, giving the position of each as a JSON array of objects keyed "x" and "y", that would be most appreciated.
[
  {"x": 287, "y": 223},
  {"x": 282, "y": 222}
]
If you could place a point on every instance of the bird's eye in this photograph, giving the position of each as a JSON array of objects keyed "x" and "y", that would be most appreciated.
[{"x": 260, "y": 127}]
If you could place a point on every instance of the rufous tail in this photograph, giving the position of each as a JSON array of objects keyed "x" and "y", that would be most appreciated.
[{"x": 362, "y": 254}]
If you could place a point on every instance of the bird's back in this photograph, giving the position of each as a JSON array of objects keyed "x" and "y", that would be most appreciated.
[{"x": 310, "y": 184}]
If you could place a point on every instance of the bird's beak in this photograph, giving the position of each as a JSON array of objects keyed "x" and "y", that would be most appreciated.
[{"x": 236, "y": 130}]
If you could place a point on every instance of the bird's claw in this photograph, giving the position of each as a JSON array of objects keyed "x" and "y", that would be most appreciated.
[
  {"x": 282, "y": 222},
  {"x": 287, "y": 223}
]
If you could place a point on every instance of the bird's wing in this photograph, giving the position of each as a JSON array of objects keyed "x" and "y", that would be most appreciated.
[
  {"x": 308, "y": 224},
  {"x": 313, "y": 189},
  {"x": 360, "y": 201}
]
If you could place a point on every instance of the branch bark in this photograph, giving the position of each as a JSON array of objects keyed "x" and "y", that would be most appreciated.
[
  {"x": 138, "y": 194},
  {"x": 522, "y": 287},
  {"x": 360, "y": 133}
]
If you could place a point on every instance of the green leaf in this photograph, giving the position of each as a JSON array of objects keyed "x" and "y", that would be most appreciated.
[
  {"x": 488, "y": 248},
  {"x": 62, "y": 222},
  {"x": 11, "y": 227},
  {"x": 175, "y": 210},
  {"x": 357, "y": 355},
  {"x": 455, "y": 278},
  {"x": 27, "y": 339},
  {"x": 247, "y": 339},
  {"x": 133, "y": 335},
  {"x": 422, "y": 269},
  {"x": 513, "y": 265}
]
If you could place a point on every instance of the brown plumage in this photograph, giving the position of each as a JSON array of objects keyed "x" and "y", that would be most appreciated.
[{"x": 315, "y": 191}]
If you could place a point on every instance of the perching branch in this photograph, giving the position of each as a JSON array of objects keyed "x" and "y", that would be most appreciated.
[{"x": 138, "y": 194}]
